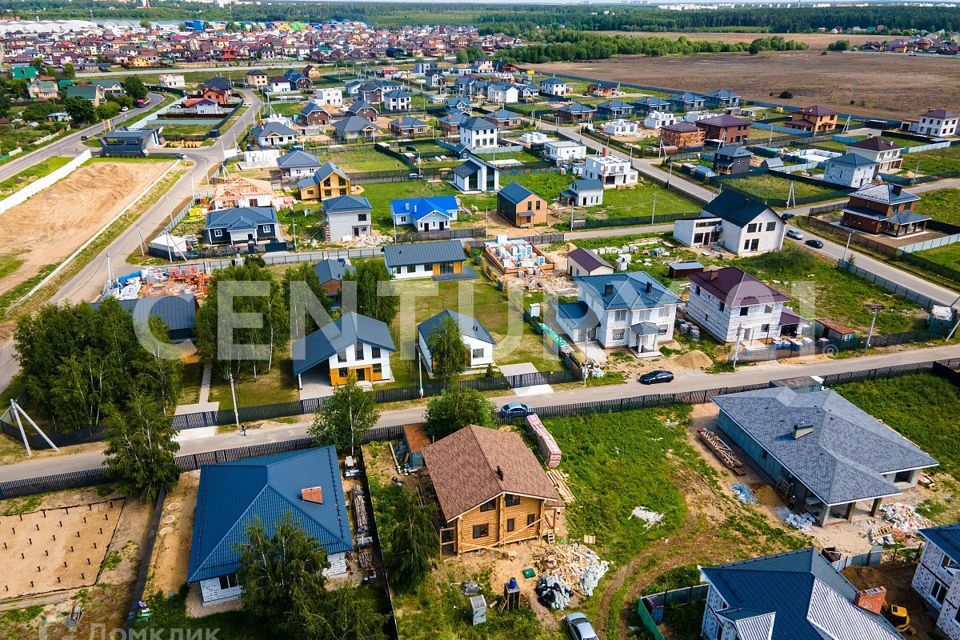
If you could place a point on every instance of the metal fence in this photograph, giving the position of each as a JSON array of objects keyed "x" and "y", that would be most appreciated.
[
  {"x": 633, "y": 221},
  {"x": 773, "y": 352},
  {"x": 897, "y": 289}
]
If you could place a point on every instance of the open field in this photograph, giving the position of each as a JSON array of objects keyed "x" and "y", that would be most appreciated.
[
  {"x": 948, "y": 256},
  {"x": 812, "y": 78},
  {"x": 773, "y": 188},
  {"x": 936, "y": 162},
  {"x": 50, "y": 226},
  {"x": 812, "y": 40},
  {"x": 360, "y": 160}
]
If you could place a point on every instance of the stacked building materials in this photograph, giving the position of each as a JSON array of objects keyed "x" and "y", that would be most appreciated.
[{"x": 549, "y": 450}]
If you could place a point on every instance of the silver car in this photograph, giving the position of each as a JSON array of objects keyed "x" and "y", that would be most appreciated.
[{"x": 579, "y": 627}]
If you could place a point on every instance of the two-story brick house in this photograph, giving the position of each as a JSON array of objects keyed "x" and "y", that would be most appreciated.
[{"x": 884, "y": 208}]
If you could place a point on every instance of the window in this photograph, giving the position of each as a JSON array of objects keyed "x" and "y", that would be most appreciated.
[
  {"x": 531, "y": 517},
  {"x": 744, "y": 311},
  {"x": 698, "y": 289},
  {"x": 228, "y": 582},
  {"x": 342, "y": 355},
  {"x": 765, "y": 328},
  {"x": 511, "y": 500},
  {"x": 488, "y": 506},
  {"x": 378, "y": 369},
  {"x": 723, "y": 305},
  {"x": 218, "y": 233},
  {"x": 411, "y": 268},
  {"x": 956, "y": 618},
  {"x": 746, "y": 245},
  {"x": 477, "y": 354},
  {"x": 771, "y": 226},
  {"x": 618, "y": 334},
  {"x": 752, "y": 227},
  {"x": 361, "y": 217},
  {"x": 939, "y": 592},
  {"x": 947, "y": 562},
  {"x": 511, "y": 524},
  {"x": 358, "y": 351},
  {"x": 768, "y": 308},
  {"x": 620, "y": 315},
  {"x": 902, "y": 476},
  {"x": 481, "y": 531},
  {"x": 375, "y": 352}
]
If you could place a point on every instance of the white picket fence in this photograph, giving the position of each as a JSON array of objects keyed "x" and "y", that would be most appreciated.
[{"x": 19, "y": 197}]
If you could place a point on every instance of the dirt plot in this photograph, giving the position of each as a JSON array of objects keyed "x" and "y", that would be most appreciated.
[
  {"x": 51, "y": 225},
  {"x": 57, "y": 549},
  {"x": 812, "y": 40},
  {"x": 834, "y": 79},
  {"x": 168, "y": 567}
]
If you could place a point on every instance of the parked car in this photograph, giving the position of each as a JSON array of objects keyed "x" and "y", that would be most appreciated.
[
  {"x": 579, "y": 627},
  {"x": 515, "y": 410},
  {"x": 182, "y": 156},
  {"x": 796, "y": 235},
  {"x": 816, "y": 244},
  {"x": 124, "y": 109},
  {"x": 84, "y": 138},
  {"x": 786, "y": 216},
  {"x": 656, "y": 377}
]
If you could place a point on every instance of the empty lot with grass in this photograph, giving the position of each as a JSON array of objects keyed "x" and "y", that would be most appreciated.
[{"x": 941, "y": 205}]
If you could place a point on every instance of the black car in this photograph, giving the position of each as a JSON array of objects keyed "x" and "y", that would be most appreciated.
[
  {"x": 816, "y": 244},
  {"x": 515, "y": 410},
  {"x": 656, "y": 377}
]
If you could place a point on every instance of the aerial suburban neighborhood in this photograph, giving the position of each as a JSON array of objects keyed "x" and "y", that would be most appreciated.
[{"x": 370, "y": 321}]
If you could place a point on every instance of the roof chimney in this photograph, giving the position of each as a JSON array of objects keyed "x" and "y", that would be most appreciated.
[
  {"x": 649, "y": 287},
  {"x": 897, "y": 189},
  {"x": 500, "y": 472},
  {"x": 871, "y": 599},
  {"x": 312, "y": 494},
  {"x": 607, "y": 289},
  {"x": 802, "y": 429},
  {"x": 713, "y": 274}
]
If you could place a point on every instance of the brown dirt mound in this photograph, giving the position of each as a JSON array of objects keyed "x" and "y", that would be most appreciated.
[{"x": 694, "y": 360}]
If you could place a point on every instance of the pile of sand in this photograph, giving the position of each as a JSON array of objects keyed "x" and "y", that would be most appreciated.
[{"x": 695, "y": 359}]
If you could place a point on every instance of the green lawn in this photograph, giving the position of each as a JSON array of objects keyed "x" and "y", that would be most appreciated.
[
  {"x": 489, "y": 306},
  {"x": 903, "y": 141},
  {"x": 287, "y": 108},
  {"x": 31, "y": 174},
  {"x": 821, "y": 289},
  {"x": 772, "y": 188},
  {"x": 272, "y": 387},
  {"x": 935, "y": 162},
  {"x": 943, "y": 205},
  {"x": 171, "y": 131},
  {"x": 923, "y": 408},
  {"x": 9, "y": 263},
  {"x": 524, "y": 157},
  {"x": 948, "y": 256},
  {"x": 362, "y": 160}
]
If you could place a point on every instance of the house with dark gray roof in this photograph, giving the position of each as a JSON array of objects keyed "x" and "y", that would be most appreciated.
[
  {"x": 823, "y": 454},
  {"x": 586, "y": 262},
  {"x": 242, "y": 225},
  {"x": 797, "y": 595},
  {"x": 732, "y": 305},
  {"x": 179, "y": 313},
  {"x": 296, "y": 165},
  {"x": 234, "y": 495},
  {"x": 624, "y": 309},
  {"x": 849, "y": 170},
  {"x": 743, "y": 225},
  {"x": 443, "y": 259},
  {"x": 354, "y": 128},
  {"x": 474, "y": 335},
  {"x": 583, "y": 193},
  {"x": 722, "y": 99},
  {"x": 130, "y": 142},
  {"x": 330, "y": 273},
  {"x": 521, "y": 206},
  {"x": 352, "y": 345},
  {"x": 347, "y": 217},
  {"x": 884, "y": 209},
  {"x": 476, "y": 175},
  {"x": 937, "y": 578},
  {"x": 274, "y": 134}
]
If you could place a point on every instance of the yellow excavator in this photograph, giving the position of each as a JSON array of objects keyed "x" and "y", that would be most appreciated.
[{"x": 899, "y": 617}]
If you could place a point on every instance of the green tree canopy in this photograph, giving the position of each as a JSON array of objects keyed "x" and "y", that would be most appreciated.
[
  {"x": 369, "y": 274},
  {"x": 455, "y": 409},
  {"x": 447, "y": 350},
  {"x": 344, "y": 613},
  {"x": 307, "y": 274},
  {"x": 133, "y": 86},
  {"x": 345, "y": 416},
  {"x": 80, "y": 109},
  {"x": 141, "y": 450},
  {"x": 412, "y": 543}
]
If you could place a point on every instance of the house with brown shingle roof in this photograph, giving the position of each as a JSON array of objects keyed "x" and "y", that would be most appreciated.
[{"x": 490, "y": 488}]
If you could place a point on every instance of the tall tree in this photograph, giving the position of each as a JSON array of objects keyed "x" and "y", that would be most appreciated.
[
  {"x": 79, "y": 109},
  {"x": 371, "y": 301},
  {"x": 141, "y": 450},
  {"x": 447, "y": 350},
  {"x": 307, "y": 274},
  {"x": 274, "y": 567},
  {"x": 345, "y": 416},
  {"x": 412, "y": 544},
  {"x": 455, "y": 408},
  {"x": 344, "y": 613},
  {"x": 134, "y": 87}
]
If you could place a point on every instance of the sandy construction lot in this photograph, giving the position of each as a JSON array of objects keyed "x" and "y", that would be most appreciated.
[
  {"x": 51, "y": 225},
  {"x": 886, "y": 83}
]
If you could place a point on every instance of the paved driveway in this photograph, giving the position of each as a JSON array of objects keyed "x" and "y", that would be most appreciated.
[{"x": 519, "y": 369}]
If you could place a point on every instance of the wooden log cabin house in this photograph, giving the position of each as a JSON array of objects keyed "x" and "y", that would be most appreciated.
[{"x": 490, "y": 488}]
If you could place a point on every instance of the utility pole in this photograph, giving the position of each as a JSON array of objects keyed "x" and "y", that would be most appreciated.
[
  {"x": 233, "y": 396},
  {"x": 846, "y": 247},
  {"x": 141, "y": 240},
  {"x": 419, "y": 370},
  {"x": 653, "y": 212},
  {"x": 873, "y": 323},
  {"x": 736, "y": 349}
]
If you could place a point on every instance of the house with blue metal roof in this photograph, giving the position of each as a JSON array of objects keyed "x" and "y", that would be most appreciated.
[
  {"x": 614, "y": 109},
  {"x": 474, "y": 335},
  {"x": 686, "y": 102},
  {"x": 791, "y": 596},
  {"x": 179, "y": 313},
  {"x": 442, "y": 260},
  {"x": 425, "y": 214},
  {"x": 273, "y": 134},
  {"x": 823, "y": 454},
  {"x": 242, "y": 225},
  {"x": 722, "y": 99},
  {"x": 650, "y": 104},
  {"x": 353, "y": 345},
  {"x": 233, "y": 495},
  {"x": 937, "y": 578},
  {"x": 575, "y": 112},
  {"x": 624, "y": 309},
  {"x": 330, "y": 273},
  {"x": 296, "y": 165}
]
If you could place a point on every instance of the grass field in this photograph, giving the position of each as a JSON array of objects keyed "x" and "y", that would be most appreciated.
[
  {"x": 943, "y": 205},
  {"x": 935, "y": 162},
  {"x": 948, "y": 256},
  {"x": 922, "y": 407},
  {"x": 361, "y": 160},
  {"x": 172, "y": 131},
  {"x": 769, "y": 187},
  {"x": 820, "y": 289},
  {"x": 277, "y": 385},
  {"x": 31, "y": 174}
]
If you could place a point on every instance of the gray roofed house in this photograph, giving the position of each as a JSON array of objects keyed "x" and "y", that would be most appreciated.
[
  {"x": 179, "y": 313},
  {"x": 476, "y": 175},
  {"x": 130, "y": 142},
  {"x": 475, "y": 336},
  {"x": 425, "y": 259},
  {"x": 583, "y": 192},
  {"x": 347, "y": 217},
  {"x": 797, "y": 595},
  {"x": 355, "y": 128},
  {"x": 849, "y": 170},
  {"x": 742, "y": 224},
  {"x": 242, "y": 225},
  {"x": 515, "y": 192},
  {"x": 585, "y": 262},
  {"x": 937, "y": 577},
  {"x": 353, "y": 344},
  {"x": 295, "y": 165},
  {"x": 329, "y": 270},
  {"x": 823, "y": 452},
  {"x": 326, "y": 169},
  {"x": 273, "y": 134}
]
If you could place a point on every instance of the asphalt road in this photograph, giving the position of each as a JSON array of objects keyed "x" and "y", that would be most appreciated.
[
  {"x": 280, "y": 64},
  {"x": 685, "y": 381},
  {"x": 72, "y": 145},
  {"x": 88, "y": 283}
]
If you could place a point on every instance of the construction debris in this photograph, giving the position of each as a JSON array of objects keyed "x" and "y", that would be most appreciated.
[
  {"x": 561, "y": 484},
  {"x": 722, "y": 450},
  {"x": 744, "y": 493},
  {"x": 648, "y": 516},
  {"x": 904, "y": 521},
  {"x": 575, "y": 564},
  {"x": 553, "y": 592},
  {"x": 803, "y": 521}
]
